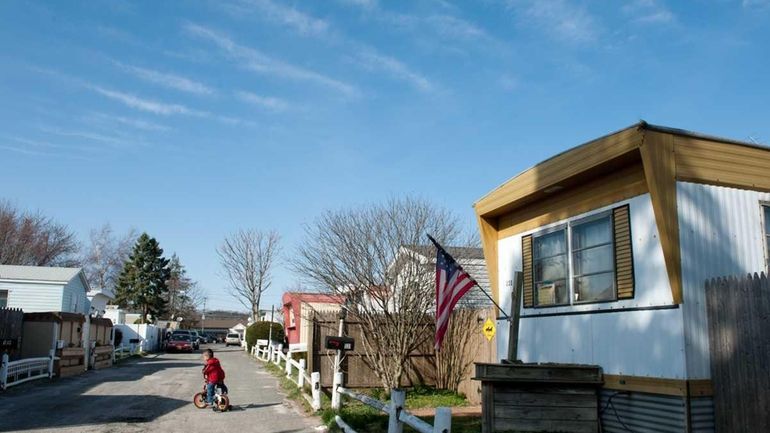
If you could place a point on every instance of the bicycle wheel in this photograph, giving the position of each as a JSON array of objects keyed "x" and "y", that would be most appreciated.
[
  {"x": 223, "y": 403},
  {"x": 199, "y": 400}
]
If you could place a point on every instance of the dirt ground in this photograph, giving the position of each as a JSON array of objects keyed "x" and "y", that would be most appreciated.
[{"x": 153, "y": 394}]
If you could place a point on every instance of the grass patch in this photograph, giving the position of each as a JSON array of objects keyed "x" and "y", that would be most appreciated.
[{"x": 366, "y": 419}]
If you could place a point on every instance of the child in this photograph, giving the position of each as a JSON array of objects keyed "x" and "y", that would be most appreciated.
[{"x": 213, "y": 375}]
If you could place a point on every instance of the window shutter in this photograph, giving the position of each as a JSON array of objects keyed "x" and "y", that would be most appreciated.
[
  {"x": 624, "y": 260},
  {"x": 526, "y": 270}
]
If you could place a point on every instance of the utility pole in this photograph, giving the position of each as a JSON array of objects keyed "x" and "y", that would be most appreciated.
[
  {"x": 203, "y": 316},
  {"x": 270, "y": 328}
]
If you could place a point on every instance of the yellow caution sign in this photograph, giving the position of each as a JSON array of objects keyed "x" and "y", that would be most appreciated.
[{"x": 489, "y": 329}]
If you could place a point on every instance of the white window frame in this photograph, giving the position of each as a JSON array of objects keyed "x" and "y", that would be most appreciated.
[
  {"x": 540, "y": 233},
  {"x": 570, "y": 269},
  {"x": 7, "y": 297},
  {"x": 764, "y": 206}
]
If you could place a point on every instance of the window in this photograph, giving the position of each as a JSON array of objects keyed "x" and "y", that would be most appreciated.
[
  {"x": 587, "y": 260},
  {"x": 550, "y": 263},
  {"x": 766, "y": 210},
  {"x": 3, "y": 298},
  {"x": 593, "y": 267}
]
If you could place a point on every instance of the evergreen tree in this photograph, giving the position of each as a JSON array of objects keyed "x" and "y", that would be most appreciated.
[{"x": 142, "y": 283}]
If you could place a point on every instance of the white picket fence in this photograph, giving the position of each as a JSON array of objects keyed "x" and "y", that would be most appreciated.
[
  {"x": 397, "y": 415},
  {"x": 24, "y": 370},
  {"x": 123, "y": 352},
  {"x": 269, "y": 353}
]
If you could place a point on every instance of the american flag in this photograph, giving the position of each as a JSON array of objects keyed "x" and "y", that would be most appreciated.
[{"x": 452, "y": 282}]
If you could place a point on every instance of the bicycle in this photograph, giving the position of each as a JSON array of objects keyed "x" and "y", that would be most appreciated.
[{"x": 221, "y": 401}]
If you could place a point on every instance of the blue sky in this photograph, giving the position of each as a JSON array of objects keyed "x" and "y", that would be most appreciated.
[{"x": 190, "y": 120}]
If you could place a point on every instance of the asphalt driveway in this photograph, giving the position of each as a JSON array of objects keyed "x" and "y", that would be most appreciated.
[{"x": 153, "y": 394}]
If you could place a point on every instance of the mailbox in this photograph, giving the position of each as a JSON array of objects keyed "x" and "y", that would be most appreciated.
[{"x": 339, "y": 343}]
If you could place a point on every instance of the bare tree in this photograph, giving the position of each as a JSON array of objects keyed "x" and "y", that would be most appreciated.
[
  {"x": 360, "y": 254},
  {"x": 454, "y": 361},
  {"x": 183, "y": 295},
  {"x": 105, "y": 255},
  {"x": 247, "y": 257},
  {"x": 32, "y": 239}
]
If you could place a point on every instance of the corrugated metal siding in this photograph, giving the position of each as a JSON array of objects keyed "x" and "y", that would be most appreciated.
[
  {"x": 33, "y": 297},
  {"x": 702, "y": 415},
  {"x": 720, "y": 234},
  {"x": 641, "y": 413}
]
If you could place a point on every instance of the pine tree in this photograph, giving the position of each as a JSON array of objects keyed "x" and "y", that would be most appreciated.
[{"x": 142, "y": 283}]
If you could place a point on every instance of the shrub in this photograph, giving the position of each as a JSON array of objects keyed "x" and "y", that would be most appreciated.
[{"x": 261, "y": 330}]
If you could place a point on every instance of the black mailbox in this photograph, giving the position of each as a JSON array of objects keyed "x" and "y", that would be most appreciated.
[{"x": 339, "y": 343}]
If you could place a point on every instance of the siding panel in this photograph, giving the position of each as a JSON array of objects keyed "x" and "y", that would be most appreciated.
[
  {"x": 720, "y": 235},
  {"x": 33, "y": 297},
  {"x": 641, "y": 413}
]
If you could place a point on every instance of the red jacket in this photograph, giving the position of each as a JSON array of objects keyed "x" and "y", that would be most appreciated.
[{"x": 213, "y": 372}]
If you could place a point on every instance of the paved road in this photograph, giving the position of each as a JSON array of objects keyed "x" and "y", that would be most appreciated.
[{"x": 153, "y": 394}]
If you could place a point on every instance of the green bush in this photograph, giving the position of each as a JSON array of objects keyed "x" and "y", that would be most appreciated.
[{"x": 261, "y": 330}]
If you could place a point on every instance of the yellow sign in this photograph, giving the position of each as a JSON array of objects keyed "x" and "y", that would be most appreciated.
[{"x": 489, "y": 329}]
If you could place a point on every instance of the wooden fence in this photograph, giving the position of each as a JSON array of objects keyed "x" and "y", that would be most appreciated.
[
  {"x": 421, "y": 365},
  {"x": 739, "y": 337},
  {"x": 11, "y": 323}
]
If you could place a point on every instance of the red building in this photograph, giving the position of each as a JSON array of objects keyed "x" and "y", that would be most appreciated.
[{"x": 298, "y": 307}]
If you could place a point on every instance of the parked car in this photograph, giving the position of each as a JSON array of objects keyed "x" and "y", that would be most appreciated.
[
  {"x": 196, "y": 337},
  {"x": 233, "y": 339},
  {"x": 204, "y": 338},
  {"x": 191, "y": 336},
  {"x": 179, "y": 342}
]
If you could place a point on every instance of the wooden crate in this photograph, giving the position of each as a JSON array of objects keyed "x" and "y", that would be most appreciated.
[{"x": 539, "y": 397}]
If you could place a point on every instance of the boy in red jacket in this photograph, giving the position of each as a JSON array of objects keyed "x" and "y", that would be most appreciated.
[{"x": 213, "y": 375}]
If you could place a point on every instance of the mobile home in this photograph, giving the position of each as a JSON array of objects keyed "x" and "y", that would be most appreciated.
[{"x": 615, "y": 239}]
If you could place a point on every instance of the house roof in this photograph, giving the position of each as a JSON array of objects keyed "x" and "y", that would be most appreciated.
[
  {"x": 42, "y": 273},
  {"x": 311, "y": 297},
  {"x": 472, "y": 261},
  {"x": 456, "y": 252},
  {"x": 222, "y": 323},
  {"x": 640, "y": 159}
]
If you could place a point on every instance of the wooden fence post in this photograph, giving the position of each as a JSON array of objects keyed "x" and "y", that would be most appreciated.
[
  {"x": 315, "y": 385},
  {"x": 4, "y": 371},
  {"x": 336, "y": 397},
  {"x": 442, "y": 422},
  {"x": 301, "y": 379},
  {"x": 51, "y": 356},
  {"x": 397, "y": 399}
]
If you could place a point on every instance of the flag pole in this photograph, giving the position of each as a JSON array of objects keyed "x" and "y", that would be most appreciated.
[{"x": 505, "y": 315}]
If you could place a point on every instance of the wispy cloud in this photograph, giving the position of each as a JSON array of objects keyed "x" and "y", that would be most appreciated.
[
  {"x": 148, "y": 105},
  {"x": 267, "y": 102},
  {"x": 128, "y": 121},
  {"x": 367, "y": 4},
  {"x": 559, "y": 19},
  {"x": 171, "y": 81},
  {"x": 109, "y": 140},
  {"x": 254, "y": 60},
  {"x": 281, "y": 14},
  {"x": 370, "y": 59},
  {"x": 26, "y": 146},
  {"x": 455, "y": 27},
  {"x": 649, "y": 12},
  {"x": 24, "y": 150},
  {"x": 749, "y": 4}
]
